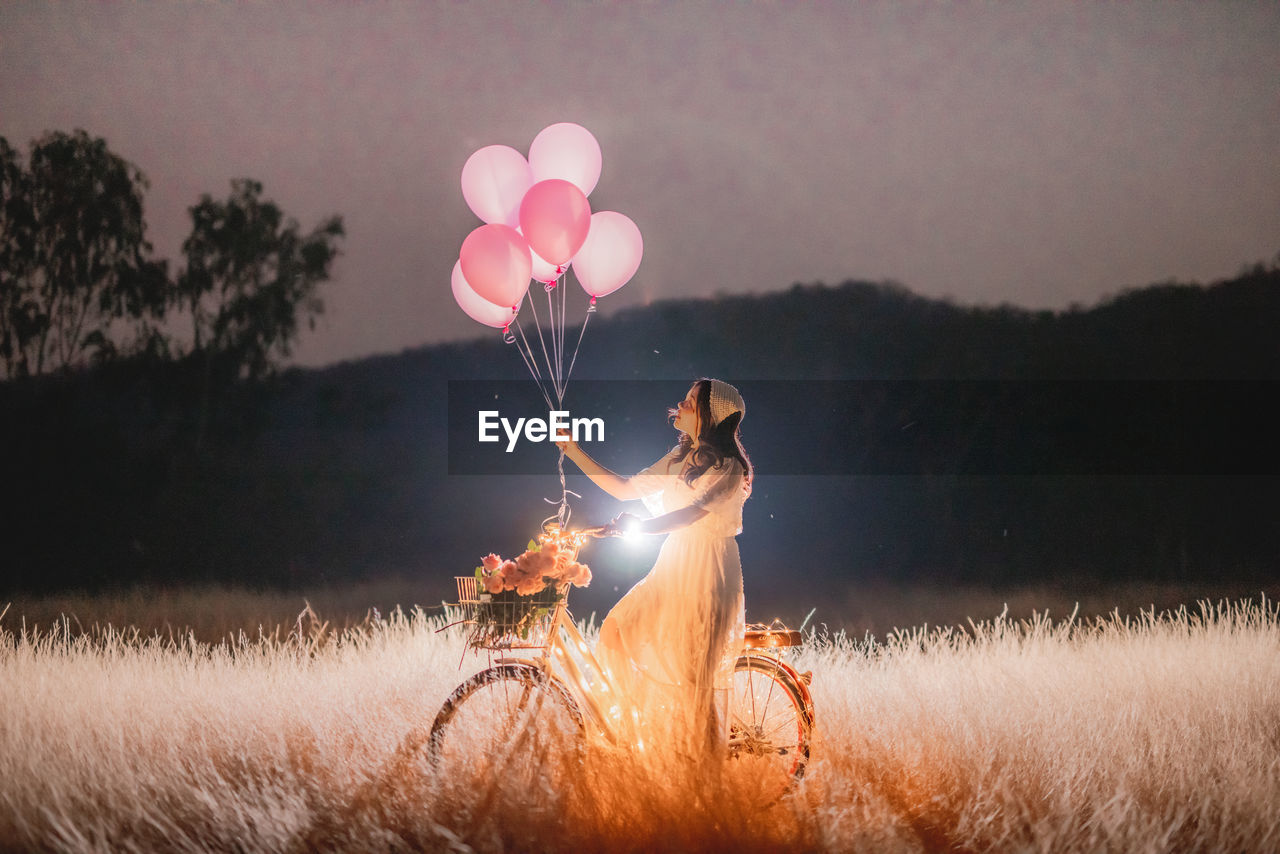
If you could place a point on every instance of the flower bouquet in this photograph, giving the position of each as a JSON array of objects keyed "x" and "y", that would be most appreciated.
[{"x": 515, "y": 595}]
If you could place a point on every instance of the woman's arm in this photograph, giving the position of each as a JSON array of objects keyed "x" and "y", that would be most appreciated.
[
  {"x": 615, "y": 484},
  {"x": 668, "y": 522},
  {"x": 716, "y": 488}
]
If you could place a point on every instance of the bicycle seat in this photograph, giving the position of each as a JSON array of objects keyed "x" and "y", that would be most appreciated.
[{"x": 766, "y": 639}]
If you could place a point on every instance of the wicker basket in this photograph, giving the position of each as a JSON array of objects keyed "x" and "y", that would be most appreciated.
[{"x": 507, "y": 620}]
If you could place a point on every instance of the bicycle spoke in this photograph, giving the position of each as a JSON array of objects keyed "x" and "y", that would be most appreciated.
[
  {"x": 769, "y": 730},
  {"x": 786, "y": 714},
  {"x": 772, "y": 684},
  {"x": 785, "y": 724},
  {"x": 766, "y": 736},
  {"x": 508, "y": 717}
]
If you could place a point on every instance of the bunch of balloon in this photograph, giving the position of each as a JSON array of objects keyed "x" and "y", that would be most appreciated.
[{"x": 538, "y": 226}]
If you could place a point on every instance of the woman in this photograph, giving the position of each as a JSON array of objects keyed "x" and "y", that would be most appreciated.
[{"x": 670, "y": 643}]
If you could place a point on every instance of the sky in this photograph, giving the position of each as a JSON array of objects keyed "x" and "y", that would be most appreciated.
[{"x": 1039, "y": 154}]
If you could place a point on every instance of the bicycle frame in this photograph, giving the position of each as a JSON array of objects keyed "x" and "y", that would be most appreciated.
[
  {"x": 567, "y": 657},
  {"x": 567, "y": 650}
]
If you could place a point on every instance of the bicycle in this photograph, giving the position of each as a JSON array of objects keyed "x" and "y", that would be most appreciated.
[{"x": 549, "y": 681}]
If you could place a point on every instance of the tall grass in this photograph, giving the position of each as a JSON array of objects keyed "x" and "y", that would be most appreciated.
[
  {"x": 220, "y": 613},
  {"x": 1145, "y": 733}
]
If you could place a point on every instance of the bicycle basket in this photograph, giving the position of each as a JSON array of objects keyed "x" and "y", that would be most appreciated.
[{"x": 508, "y": 620}]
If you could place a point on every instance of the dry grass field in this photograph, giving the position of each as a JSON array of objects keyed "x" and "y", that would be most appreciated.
[{"x": 1141, "y": 731}]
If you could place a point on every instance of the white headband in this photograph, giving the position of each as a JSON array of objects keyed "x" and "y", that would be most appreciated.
[{"x": 725, "y": 401}]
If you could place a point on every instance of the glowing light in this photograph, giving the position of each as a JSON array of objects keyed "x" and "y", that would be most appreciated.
[{"x": 569, "y": 541}]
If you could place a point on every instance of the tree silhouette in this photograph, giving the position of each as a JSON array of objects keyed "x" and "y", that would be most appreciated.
[
  {"x": 74, "y": 256},
  {"x": 251, "y": 279},
  {"x": 19, "y": 324}
]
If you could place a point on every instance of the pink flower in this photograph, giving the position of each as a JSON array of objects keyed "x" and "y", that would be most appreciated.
[
  {"x": 579, "y": 574},
  {"x": 534, "y": 564},
  {"x": 518, "y": 571},
  {"x": 490, "y": 562},
  {"x": 493, "y": 583},
  {"x": 529, "y": 586},
  {"x": 509, "y": 573}
]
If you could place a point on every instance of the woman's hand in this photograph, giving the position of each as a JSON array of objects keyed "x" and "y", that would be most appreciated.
[
  {"x": 623, "y": 523},
  {"x": 569, "y": 448}
]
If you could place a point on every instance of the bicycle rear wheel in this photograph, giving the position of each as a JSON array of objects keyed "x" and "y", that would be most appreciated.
[
  {"x": 770, "y": 722},
  {"x": 512, "y": 720}
]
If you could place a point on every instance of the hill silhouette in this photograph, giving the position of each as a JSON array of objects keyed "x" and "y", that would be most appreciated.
[{"x": 345, "y": 472}]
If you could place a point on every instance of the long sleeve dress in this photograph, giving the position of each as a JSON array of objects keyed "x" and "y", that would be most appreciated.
[{"x": 671, "y": 642}]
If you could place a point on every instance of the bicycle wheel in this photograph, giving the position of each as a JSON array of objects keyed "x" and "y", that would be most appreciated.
[
  {"x": 512, "y": 720},
  {"x": 770, "y": 722}
]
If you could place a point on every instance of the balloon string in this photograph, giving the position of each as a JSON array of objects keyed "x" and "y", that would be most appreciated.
[
  {"x": 526, "y": 356},
  {"x": 563, "y": 511},
  {"x": 564, "y": 379},
  {"x": 542, "y": 342},
  {"x": 555, "y": 345},
  {"x": 531, "y": 363},
  {"x": 565, "y": 284},
  {"x": 557, "y": 377},
  {"x": 510, "y": 339},
  {"x": 556, "y": 323},
  {"x": 591, "y": 309}
]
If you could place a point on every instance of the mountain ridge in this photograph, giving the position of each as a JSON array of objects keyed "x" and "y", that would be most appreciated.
[{"x": 342, "y": 471}]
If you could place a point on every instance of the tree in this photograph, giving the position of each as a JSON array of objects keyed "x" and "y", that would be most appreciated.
[
  {"x": 19, "y": 313},
  {"x": 75, "y": 260},
  {"x": 251, "y": 278}
]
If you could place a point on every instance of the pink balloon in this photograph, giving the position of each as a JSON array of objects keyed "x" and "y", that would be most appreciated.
[
  {"x": 494, "y": 180},
  {"x": 477, "y": 307},
  {"x": 569, "y": 152},
  {"x": 555, "y": 218},
  {"x": 544, "y": 271},
  {"x": 611, "y": 255},
  {"x": 496, "y": 263}
]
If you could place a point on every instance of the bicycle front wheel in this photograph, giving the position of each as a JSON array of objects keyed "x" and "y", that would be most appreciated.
[
  {"x": 770, "y": 722},
  {"x": 513, "y": 720}
]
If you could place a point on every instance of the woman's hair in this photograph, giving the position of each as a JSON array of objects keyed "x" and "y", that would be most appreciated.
[{"x": 717, "y": 442}]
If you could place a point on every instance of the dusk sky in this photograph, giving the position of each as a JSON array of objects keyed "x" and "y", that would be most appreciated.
[{"x": 1041, "y": 154}]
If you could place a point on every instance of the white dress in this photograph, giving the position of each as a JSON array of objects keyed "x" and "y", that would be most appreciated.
[{"x": 671, "y": 642}]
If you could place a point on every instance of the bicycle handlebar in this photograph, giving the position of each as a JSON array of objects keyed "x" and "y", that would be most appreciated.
[
  {"x": 576, "y": 537},
  {"x": 601, "y": 531}
]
